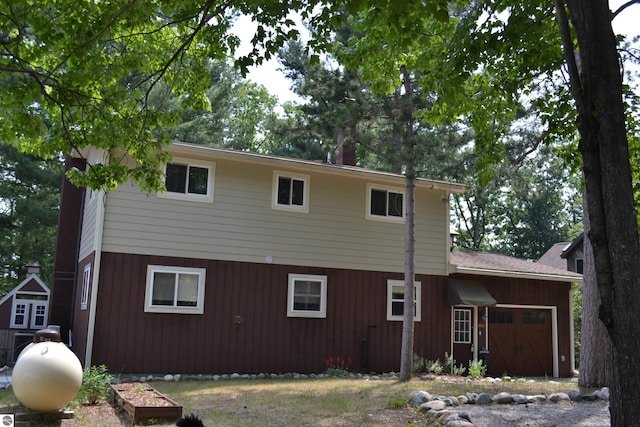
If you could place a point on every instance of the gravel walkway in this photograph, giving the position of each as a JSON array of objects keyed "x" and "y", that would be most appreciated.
[{"x": 545, "y": 414}]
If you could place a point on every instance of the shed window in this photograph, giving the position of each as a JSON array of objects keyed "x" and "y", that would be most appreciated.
[
  {"x": 39, "y": 316},
  {"x": 19, "y": 315}
]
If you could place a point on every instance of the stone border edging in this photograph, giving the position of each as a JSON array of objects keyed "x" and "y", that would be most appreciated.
[{"x": 439, "y": 407}]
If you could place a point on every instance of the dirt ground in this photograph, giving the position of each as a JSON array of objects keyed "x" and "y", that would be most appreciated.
[{"x": 585, "y": 414}]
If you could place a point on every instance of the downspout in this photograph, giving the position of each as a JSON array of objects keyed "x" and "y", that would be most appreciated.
[
  {"x": 101, "y": 201},
  {"x": 452, "y": 338},
  {"x": 475, "y": 333},
  {"x": 572, "y": 352},
  {"x": 449, "y": 239}
]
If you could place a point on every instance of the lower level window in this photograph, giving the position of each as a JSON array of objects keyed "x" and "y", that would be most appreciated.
[
  {"x": 395, "y": 300},
  {"x": 175, "y": 290},
  {"x": 307, "y": 296}
]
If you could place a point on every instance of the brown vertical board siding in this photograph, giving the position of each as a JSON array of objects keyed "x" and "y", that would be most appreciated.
[
  {"x": 130, "y": 341},
  {"x": 536, "y": 292},
  {"x": 5, "y": 312}
]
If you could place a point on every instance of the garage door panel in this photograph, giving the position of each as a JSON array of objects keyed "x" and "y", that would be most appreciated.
[{"x": 520, "y": 342}]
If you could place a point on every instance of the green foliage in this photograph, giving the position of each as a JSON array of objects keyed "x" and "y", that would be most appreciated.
[
  {"x": 336, "y": 366},
  {"x": 434, "y": 366},
  {"x": 397, "y": 402},
  {"x": 84, "y": 74},
  {"x": 477, "y": 369},
  {"x": 29, "y": 199},
  {"x": 577, "y": 325},
  {"x": 237, "y": 115},
  {"x": 418, "y": 364},
  {"x": 95, "y": 385},
  {"x": 450, "y": 367}
]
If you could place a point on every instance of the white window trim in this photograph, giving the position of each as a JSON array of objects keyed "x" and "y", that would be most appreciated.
[
  {"x": 204, "y": 198},
  {"x": 34, "y": 307},
  {"x": 417, "y": 300},
  {"x": 305, "y": 197},
  {"x": 150, "y": 308},
  {"x": 84, "y": 295},
  {"x": 322, "y": 313},
  {"x": 385, "y": 218},
  {"x": 24, "y": 324},
  {"x": 469, "y": 321}
]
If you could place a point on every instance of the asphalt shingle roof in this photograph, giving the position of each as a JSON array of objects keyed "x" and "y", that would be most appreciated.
[
  {"x": 505, "y": 265},
  {"x": 552, "y": 256}
]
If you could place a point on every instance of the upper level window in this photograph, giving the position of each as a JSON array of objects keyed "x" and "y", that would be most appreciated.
[
  {"x": 290, "y": 191},
  {"x": 188, "y": 180},
  {"x": 175, "y": 290},
  {"x": 395, "y": 300},
  {"x": 307, "y": 296},
  {"x": 579, "y": 266},
  {"x": 385, "y": 203}
]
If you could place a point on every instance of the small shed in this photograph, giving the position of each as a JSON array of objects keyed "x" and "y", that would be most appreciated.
[{"x": 23, "y": 311}]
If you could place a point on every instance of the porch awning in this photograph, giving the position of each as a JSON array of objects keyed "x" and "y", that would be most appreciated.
[{"x": 469, "y": 292}]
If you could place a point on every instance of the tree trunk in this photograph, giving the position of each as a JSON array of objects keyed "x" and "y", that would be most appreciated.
[
  {"x": 597, "y": 90},
  {"x": 406, "y": 355},
  {"x": 593, "y": 352}
]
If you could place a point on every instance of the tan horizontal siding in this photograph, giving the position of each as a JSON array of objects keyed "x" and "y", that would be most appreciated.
[
  {"x": 241, "y": 226},
  {"x": 88, "y": 233}
]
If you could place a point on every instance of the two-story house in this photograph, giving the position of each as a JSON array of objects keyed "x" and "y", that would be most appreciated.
[{"x": 251, "y": 263}]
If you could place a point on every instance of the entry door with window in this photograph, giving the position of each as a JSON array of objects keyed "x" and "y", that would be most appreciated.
[{"x": 463, "y": 335}]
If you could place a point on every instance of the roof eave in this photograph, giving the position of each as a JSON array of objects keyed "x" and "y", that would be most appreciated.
[
  {"x": 515, "y": 274},
  {"x": 184, "y": 149}
]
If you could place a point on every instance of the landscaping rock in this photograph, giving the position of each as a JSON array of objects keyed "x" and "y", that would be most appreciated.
[
  {"x": 502, "y": 398},
  {"x": 520, "y": 399},
  {"x": 417, "y": 398},
  {"x": 451, "y": 401},
  {"x": 557, "y": 397},
  {"x": 602, "y": 394},
  {"x": 457, "y": 420},
  {"x": 436, "y": 405},
  {"x": 575, "y": 396},
  {"x": 483, "y": 399}
]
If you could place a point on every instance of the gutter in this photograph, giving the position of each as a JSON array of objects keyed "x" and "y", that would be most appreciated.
[
  {"x": 213, "y": 153},
  {"x": 515, "y": 274}
]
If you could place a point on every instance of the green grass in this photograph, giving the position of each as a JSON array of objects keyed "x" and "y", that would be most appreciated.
[
  {"x": 331, "y": 401},
  {"x": 310, "y": 402}
]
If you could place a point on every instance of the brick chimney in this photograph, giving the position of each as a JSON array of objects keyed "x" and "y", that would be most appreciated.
[{"x": 346, "y": 153}]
